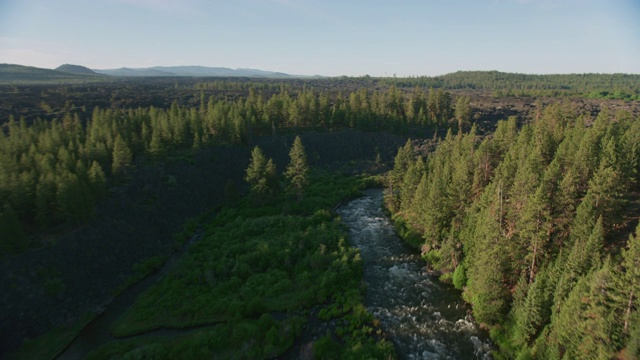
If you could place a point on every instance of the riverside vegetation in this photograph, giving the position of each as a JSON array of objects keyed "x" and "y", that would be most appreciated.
[
  {"x": 263, "y": 268},
  {"x": 536, "y": 225}
]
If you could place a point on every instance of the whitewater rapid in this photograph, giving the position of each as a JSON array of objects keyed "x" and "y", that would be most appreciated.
[{"x": 424, "y": 318}]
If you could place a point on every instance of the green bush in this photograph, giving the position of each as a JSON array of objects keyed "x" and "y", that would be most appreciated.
[
  {"x": 459, "y": 277},
  {"x": 432, "y": 257},
  {"x": 446, "y": 278}
]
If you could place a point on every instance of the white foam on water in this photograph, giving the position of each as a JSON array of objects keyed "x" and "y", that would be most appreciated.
[
  {"x": 465, "y": 326},
  {"x": 402, "y": 294},
  {"x": 401, "y": 272}
]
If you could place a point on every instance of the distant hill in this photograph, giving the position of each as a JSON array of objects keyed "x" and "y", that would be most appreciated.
[
  {"x": 19, "y": 73},
  {"x": 127, "y": 72},
  {"x": 196, "y": 71},
  {"x": 75, "y": 69},
  {"x": 74, "y": 73}
]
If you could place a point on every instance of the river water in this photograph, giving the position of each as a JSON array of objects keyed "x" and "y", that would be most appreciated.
[{"x": 423, "y": 317}]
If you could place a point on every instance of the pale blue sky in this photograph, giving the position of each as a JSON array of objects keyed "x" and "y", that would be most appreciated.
[{"x": 327, "y": 37}]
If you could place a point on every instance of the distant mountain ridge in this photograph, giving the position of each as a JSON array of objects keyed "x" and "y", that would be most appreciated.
[
  {"x": 14, "y": 73},
  {"x": 29, "y": 74},
  {"x": 197, "y": 71},
  {"x": 75, "y": 69}
]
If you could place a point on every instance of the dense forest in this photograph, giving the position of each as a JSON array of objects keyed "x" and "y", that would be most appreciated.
[
  {"x": 532, "y": 223},
  {"x": 606, "y": 86},
  {"x": 53, "y": 172}
]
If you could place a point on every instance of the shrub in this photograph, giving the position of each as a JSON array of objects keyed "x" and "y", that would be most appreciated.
[{"x": 459, "y": 277}]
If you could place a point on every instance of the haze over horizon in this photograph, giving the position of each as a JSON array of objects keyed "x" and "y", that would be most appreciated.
[{"x": 329, "y": 38}]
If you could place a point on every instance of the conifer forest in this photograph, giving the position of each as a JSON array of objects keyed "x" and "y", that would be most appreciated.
[{"x": 183, "y": 217}]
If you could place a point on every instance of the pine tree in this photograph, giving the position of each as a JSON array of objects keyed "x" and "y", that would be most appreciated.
[
  {"x": 463, "y": 111},
  {"x": 607, "y": 189},
  {"x": 122, "y": 156},
  {"x": 418, "y": 204},
  {"x": 297, "y": 173},
  {"x": 410, "y": 183},
  {"x": 535, "y": 311},
  {"x": 585, "y": 218},
  {"x": 97, "y": 180},
  {"x": 460, "y": 184},
  {"x": 437, "y": 209},
  {"x": 583, "y": 329},
  {"x": 629, "y": 280},
  {"x": 533, "y": 230},
  {"x": 486, "y": 288},
  {"x": 156, "y": 146},
  {"x": 401, "y": 163},
  {"x": 484, "y": 168},
  {"x": 632, "y": 349},
  {"x": 261, "y": 176},
  {"x": 584, "y": 256}
]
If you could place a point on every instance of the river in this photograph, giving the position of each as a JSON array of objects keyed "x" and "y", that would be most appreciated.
[{"x": 423, "y": 317}]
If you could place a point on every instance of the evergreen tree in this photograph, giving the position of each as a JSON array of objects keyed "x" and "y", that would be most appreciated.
[
  {"x": 584, "y": 256},
  {"x": 535, "y": 311},
  {"x": 122, "y": 156},
  {"x": 401, "y": 163},
  {"x": 156, "y": 147},
  {"x": 297, "y": 173},
  {"x": 97, "y": 180},
  {"x": 632, "y": 350},
  {"x": 629, "y": 280},
  {"x": 410, "y": 183},
  {"x": 261, "y": 176},
  {"x": 583, "y": 329},
  {"x": 486, "y": 288},
  {"x": 463, "y": 111},
  {"x": 607, "y": 190},
  {"x": 418, "y": 204},
  {"x": 533, "y": 230}
]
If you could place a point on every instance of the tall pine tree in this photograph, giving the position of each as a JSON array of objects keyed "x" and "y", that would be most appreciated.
[
  {"x": 297, "y": 173},
  {"x": 261, "y": 176}
]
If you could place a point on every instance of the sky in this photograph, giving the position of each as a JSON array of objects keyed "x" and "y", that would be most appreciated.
[{"x": 327, "y": 37}]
